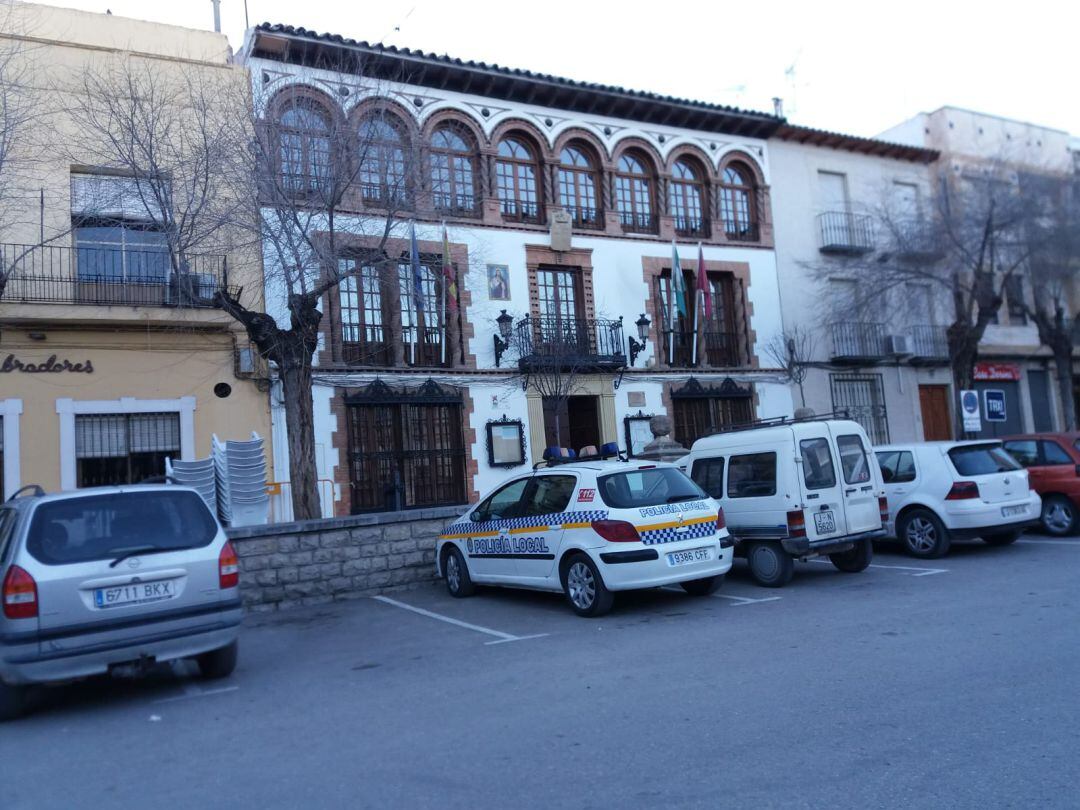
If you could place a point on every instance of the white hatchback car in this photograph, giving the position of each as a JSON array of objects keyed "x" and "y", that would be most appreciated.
[
  {"x": 942, "y": 491},
  {"x": 589, "y": 528}
]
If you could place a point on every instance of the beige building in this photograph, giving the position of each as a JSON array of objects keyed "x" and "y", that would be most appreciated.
[{"x": 112, "y": 356}]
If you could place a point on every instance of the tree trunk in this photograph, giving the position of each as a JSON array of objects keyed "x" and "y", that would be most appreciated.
[
  {"x": 300, "y": 426},
  {"x": 963, "y": 352},
  {"x": 1063, "y": 362}
]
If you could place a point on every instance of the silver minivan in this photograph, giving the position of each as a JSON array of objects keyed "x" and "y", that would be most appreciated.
[{"x": 109, "y": 577}]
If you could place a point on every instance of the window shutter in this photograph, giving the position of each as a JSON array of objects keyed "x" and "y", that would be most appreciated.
[
  {"x": 100, "y": 436},
  {"x": 114, "y": 197}
]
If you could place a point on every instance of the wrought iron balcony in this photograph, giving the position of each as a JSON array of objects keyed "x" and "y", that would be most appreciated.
[
  {"x": 916, "y": 241},
  {"x": 844, "y": 232},
  {"x": 462, "y": 205},
  {"x": 518, "y": 211},
  {"x": 716, "y": 349},
  {"x": 581, "y": 217},
  {"x": 690, "y": 226},
  {"x": 638, "y": 222},
  {"x": 48, "y": 274},
  {"x": 858, "y": 343},
  {"x": 368, "y": 346},
  {"x": 583, "y": 344},
  {"x": 929, "y": 345},
  {"x": 742, "y": 231}
]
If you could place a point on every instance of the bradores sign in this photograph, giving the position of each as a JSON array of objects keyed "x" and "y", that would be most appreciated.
[{"x": 50, "y": 366}]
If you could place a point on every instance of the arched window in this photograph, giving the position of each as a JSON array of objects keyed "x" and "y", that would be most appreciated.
[
  {"x": 453, "y": 188},
  {"x": 687, "y": 199},
  {"x": 577, "y": 187},
  {"x": 737, "y": 204},
  {"x": 516, "y": 174},
  {"x": 304, "y": 146},
  {"x": 634, "y": 195},
  {"x": 383, "y": 169}
]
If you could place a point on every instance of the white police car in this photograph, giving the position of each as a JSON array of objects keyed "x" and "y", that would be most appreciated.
[{"x": 589, "y": 528}]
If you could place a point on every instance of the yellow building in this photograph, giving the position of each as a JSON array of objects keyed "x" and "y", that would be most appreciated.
[{"x": 112, "y": 355}]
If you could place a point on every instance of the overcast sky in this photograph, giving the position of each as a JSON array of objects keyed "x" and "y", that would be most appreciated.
[{"x": 855, "y": 67}]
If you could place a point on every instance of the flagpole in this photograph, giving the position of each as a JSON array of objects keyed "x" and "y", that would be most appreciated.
[
  {"x": 414, "y": 317},
  {"x": 697, "y": 300},
  {"x": 445, "y": 292},
  {"x": 672, "y": 304}
]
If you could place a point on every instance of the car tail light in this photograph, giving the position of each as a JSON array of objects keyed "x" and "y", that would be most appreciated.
[
  {"x": 616, "y": 531},
  {"x": 721, "y": 521},
  {"x": 796, "y": 523},
  {"x": 963, "y": 491},
  {"x": 883, "y": 507},
  {"x": 20, "y": 594},
  {"x": 228, "y": 567},
  {"x": 1078, "y": 470}
]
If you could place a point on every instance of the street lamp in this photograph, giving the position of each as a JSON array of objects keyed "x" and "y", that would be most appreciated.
[
  {"x": 502, "y": 340},
  {"x": 637, "y": 348}
]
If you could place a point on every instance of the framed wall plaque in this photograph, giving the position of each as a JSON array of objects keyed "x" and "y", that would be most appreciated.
[
  {"x": 506, "y": 442},
  {"x": 637, "y": 433}
]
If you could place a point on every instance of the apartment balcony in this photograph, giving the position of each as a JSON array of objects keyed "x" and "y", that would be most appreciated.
[
  {"x": 929, "y": 345},
  {"x": 844, "y": 233},
  {"x": 858, "y": 343},
  {"x": 578, "y": 344},
  {"x": 714, "y": 349},
  {"x": 47, "y": 274}
]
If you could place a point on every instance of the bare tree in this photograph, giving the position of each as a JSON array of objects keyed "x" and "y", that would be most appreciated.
[
  {"x": 793, "y": 351},
  {"x": 963, "y": 248},
  {"x": 1054, "y": 272}
]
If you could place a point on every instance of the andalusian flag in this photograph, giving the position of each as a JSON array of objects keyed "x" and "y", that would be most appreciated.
[
  {"x": 414, "y": 264},
  {"x": 703, "y": 284},
  {"x": 678, "y": 285},
  {"x": 449, "y": 279}
]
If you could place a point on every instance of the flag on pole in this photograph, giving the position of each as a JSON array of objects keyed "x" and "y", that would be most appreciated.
[
  {"x": 703, "y": 284},
  {"x": 678, "y": 285},
  {"x": 414, "y": 263},
  {"x": 449, "y": 280}
]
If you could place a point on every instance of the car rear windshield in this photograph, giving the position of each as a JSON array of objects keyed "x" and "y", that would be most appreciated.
[
  {"x": 649, "y": 487},
  {"x": 100, "y": 527},
  {"x": 982, "y": 459}
]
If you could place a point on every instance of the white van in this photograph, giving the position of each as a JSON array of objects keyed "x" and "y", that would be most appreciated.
[{"x": 794, "y": 489}]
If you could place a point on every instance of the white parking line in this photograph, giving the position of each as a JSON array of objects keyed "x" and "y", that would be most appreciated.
[
  {"x": 742, "y": 600},
  {"x": 501, "y": 636},
  {"x": 196, "y": 692},
  {"x": 1051, "y": 542},
  {"x": 923, "y": 572}
]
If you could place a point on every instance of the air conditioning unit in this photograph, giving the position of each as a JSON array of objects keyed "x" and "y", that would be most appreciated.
[
  {"x": 898, "y": 345},
  {"x": 245, "y": 362}
]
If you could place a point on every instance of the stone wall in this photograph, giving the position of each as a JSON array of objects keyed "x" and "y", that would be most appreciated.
[{"x": 317, "y": 561}]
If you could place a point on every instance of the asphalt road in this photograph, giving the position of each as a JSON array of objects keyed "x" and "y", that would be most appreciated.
[{"x": 945, "y": 684}]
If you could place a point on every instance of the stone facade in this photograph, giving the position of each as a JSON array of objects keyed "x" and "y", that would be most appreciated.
[{"x": 320, "y": 561}]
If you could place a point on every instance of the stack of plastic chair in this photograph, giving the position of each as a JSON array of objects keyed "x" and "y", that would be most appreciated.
[
  {"x": 199, "y": 475},
  {"x": 240, "y": 472}
]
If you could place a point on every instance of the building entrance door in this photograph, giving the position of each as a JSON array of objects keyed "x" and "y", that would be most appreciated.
[
  {"x": 578, "y": 420},
  {"x": 934, "y": 404}
]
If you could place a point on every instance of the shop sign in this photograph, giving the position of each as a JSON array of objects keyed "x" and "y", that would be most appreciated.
[
  {"x": 51, "y": 366},
  {"x": 997, "y": 371}
]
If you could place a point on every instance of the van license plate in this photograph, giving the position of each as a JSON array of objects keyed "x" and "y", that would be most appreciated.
[
  {"x": 1011, "y": 511},
  {"x": 136, "y": 594},
  {"x": 691, "y": 555},
  {"x": 824, "y": 522}
]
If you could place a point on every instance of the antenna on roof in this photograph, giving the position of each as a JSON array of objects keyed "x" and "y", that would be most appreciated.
[{"x": 217, "y": 15}]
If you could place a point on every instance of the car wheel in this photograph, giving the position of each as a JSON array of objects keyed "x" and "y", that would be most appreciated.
[
  {"x": 218, "y": 663},
  {"x": 770, "y": 565},
  {"x": 12, "y": 701},
  {"x": 456, "y": 574},
  {"x": 1001, "y": 538},
  {"x": 584, "y": 587},
  {"x": 856, "y": 559},
  {"x": 923, "y": 535},
  {"x": 703, "y": 586},
  {"x": 1058, "y": 515}
]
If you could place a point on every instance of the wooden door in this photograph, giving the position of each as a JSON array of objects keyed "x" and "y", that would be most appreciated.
[{"x": 934, "y": 404}]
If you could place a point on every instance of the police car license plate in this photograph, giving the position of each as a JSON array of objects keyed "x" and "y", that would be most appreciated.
[
  {"x": 824, "y": 522},
  {"x": 691, "y": 555},
  {"x": 1010, "y": 511},
  {"x": 135, "y": 594}
]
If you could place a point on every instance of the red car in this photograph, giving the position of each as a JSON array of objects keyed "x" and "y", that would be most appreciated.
[{"x": 1053, "y": 464}]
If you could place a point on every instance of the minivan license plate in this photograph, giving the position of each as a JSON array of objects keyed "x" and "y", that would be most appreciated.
[
  {"x": 824, "y": 522},
  {"x": 691, "y": 555},
  {"x": 135, "y": 594}
]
